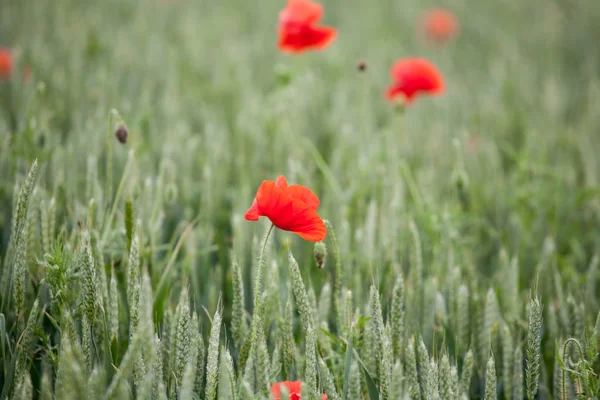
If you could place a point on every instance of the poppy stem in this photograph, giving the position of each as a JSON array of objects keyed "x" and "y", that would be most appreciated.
[{"x": 261, "y": 269}]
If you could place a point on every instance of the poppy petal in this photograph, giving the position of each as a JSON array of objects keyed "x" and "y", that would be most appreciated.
[
  {"x": 302, "y": 11},
  {"x": 414, "y": 75},
  {"x": 304, "y": 194},
  {"x": 252, "y": 214},
  {"x": 271, "y": 200},
  {"x": 281, "y": 182},
  {"x": 296, "y": 38},
  {"x": 306, "y": 222}
]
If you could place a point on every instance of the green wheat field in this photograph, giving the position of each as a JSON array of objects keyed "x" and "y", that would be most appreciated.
[{"x": 463, "y": 242}]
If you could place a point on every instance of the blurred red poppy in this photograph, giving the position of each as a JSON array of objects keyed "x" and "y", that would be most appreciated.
[
  {"x": 290, "y": 208},
  {"x": 294, "y": 389},
  {"x": 298, "y": 29},
  {"x": 439, "y": 25},
  {"x": 413, "y": 76},
  {"x": 6, "y": 63}
]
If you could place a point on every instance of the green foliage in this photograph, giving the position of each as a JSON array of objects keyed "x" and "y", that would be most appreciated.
[{"x": 127, "y": 270}]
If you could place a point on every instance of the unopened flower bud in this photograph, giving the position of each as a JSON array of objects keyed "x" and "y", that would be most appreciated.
[
  {"x": 320, "y": 252},
  {"x": 121, "y": 133}
]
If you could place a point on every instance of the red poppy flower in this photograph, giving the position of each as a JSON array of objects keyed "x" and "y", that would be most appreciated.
[
  {"x": 439, "y": 25},
  {"x": 412, "y": 76},
  {"x": 294, "y": 389},
  {"x": 291, "y": 208},
  {"x": 6, "y": 63},
  {"x": 298, "y": 29}
]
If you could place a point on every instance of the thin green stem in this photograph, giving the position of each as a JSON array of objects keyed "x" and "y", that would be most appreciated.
[
  {"x": 109, "y": 161},
  {"x": 261, "y": 269},
  {"x": 111, "y": 216}
]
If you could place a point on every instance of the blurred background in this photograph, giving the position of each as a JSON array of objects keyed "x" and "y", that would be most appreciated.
[{"x": 506, "y": 158}]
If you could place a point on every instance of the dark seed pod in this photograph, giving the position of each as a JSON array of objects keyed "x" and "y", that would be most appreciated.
[
  {"x": 320, "y": 252},
  {"x": 121, "y": 133}
]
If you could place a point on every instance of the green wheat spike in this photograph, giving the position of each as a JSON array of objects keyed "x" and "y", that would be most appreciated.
[
  {"x": 454, "y": 381},
  {"x": 300, "y": 294},
  {"x": 287, "y": 340},
  {"x": 397, "y": 317},
  {"x": 89, "y": 283},
  {"x": 534, "y": 337},
  {"x": 416, "y": 262},
  {"x": 349, "y": 311},
  {"x": 327, "y": 381},
  {"x": 249, "y": 377},
  {"x": 414, "y": 388},
  {"x": 212, "y": 365},
  {"x": 97, "y": 383},
  {"x": 398, "y": 379},
  {"x": 355, "y": 387},
  {"x": 467, "y": 372},
  {"x": 166, "y": 343},
  {"x": 476, "y": 333},
  {"x": 189, "y": 374},
  {"x": 20, "y": 276},
  {"x": 86, "y": 343},
  {"x": 25, "y": 389},
  {"x": 490, "y": 379},
  {"x": 200, "y": 366},
  {"x": 238, "y": 321},
  {"x": 158, "y": 386},
  {"x": 424, "y": 367},
  {"x": 385, "y": 365},
  {"x": 113, "y": 308},
  {"x": 337, "y": 273},
  {"x": 133, "y": 277},
  {"x": 432, "y": 391},
  {"x": 507, "y": 362},
  {"x": 46, "y": 381},
  {"x": 182, "y": 339},
  {"x": 310, "y": 374},
  {"x": 377, "y": 328},
  {"x": 262, "y": 362},
  {"x": 275, "y": 362},
  {"x": 227, "y": 380},
  {"x": 517, "y": 381},
  {"x": 27, "y": 342},
  {"x": 97, "y": 251},
  {"x": 71, "y": 382},
  {"x": 145, "y": 361},
  {"x": 32, "y": 229},
  {"x": 445, "y": 377}
]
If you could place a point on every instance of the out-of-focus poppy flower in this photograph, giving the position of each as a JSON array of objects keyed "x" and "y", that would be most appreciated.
[
  {"x": 291, "y": 208},
  {"x": 6, "y": 63},
  {"x": 293, "y": 388},
  {"x": 439, "y": 25},
  {"x": 413, "y": 76},
  {"x": 298, "y": 29}
]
